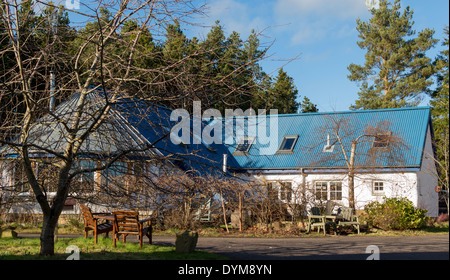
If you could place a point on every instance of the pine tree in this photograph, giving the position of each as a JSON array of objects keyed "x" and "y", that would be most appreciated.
[
  {"x": 307, "y": 106},
  {"x": 440, "y": 114},
  {"x": 284, "y": 93},
  {"x": 440, "y": 96},
  {"x": 396, "y": 71}
]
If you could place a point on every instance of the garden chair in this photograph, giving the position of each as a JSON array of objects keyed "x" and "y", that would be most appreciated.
[
  {"x": 91, "y": 223},
  {"x": 347, "y": 218},
  {"x": 127, "y": 222},
  {"x": 316, "y": 219}
]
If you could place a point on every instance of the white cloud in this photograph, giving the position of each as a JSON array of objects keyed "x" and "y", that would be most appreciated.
[
  {"x": 311, "y": 21},
  {"x": 239, "y": 16},
  {"x": 343, "y": 9}
]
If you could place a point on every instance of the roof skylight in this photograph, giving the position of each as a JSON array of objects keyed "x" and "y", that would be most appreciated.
[
  {"x": 287, "y": 144},
  {"x": 244, "y": 146}
]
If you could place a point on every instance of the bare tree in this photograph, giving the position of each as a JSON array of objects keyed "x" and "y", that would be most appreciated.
[
  {"x": 99, "y": 69},
  {"x": 356, "y": 147}
]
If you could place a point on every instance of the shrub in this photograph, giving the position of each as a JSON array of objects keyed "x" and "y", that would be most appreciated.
[
  {"x": 395, "y": 214},
  {"x": 442, "y": 218}
]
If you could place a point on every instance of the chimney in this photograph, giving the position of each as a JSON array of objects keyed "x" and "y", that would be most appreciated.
[
  {"x": 225, "y": 157},
  {"x": 52, "y": 91}
]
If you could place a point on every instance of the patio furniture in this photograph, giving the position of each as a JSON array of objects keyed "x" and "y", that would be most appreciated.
[
  {"x": 127, "y": 222},
  {"x": 91, "y": 223},
  {"x": 347, "y": 218},
  {"x": 316, "y": 219}
]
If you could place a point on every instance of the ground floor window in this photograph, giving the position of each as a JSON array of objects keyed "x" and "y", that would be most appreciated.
[
  {"x": 280, "y": 190},
  {"x": 335, "y": 190},
  {"x": 286, "y": 191},
  {"x": 325, "y": 190},
  {"x": 378, "y": 188}
]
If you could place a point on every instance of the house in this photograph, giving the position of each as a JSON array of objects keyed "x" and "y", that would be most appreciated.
[
  {"x": 301, "y": 157},
  {"x": 313, "y": 151},
  {"x": 131, "y": 141}
]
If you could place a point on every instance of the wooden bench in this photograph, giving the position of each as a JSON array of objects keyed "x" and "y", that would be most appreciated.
[
  {"x": 127, "y": 222},
  {"x": 347, "y": 218},
  {"x": 91, "y": 223},
  {"x": 316, "y": 219}
]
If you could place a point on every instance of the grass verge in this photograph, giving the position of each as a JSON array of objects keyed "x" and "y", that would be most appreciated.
[{"x": 28, "y": 249}]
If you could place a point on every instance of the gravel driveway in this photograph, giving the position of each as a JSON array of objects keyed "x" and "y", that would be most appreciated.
[{"x": 428, "y": 247}]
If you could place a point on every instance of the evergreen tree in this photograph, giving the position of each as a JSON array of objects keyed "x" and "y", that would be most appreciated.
[
  {"x": 396, "y": 70},
  {"x": 284, "y": 93},
  {"x": 440, "y": 114},
  {"x": 306, "y": 106},
  {"x": 439, "y": 102}
]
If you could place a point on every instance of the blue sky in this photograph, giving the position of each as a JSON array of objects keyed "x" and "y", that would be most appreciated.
[{"x": 322, "y": 32}]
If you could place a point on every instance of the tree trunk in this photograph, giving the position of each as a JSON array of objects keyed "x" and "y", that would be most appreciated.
[
  {"x": 51, "y": 214},
  {"x": 240, "y": 211},
  {"x": 351, "y": 177},
  {"x": 351, "y": 190},
  {"x": 48, "y": 234}
]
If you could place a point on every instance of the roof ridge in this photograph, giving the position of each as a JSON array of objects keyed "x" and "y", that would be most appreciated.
[{"x": 355, "y": 111}]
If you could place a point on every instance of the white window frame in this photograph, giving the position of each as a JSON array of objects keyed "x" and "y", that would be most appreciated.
[
  {"x": 382, "y": 140},
  {"x": 281, "y": 191},
  {"x": 328, "y": 190},
  {"x": 285, "y": 138},
  {"x": 285, "y": 191},
  {"x": 242, "y": 152},
  {"x": 376, "y": 184}
]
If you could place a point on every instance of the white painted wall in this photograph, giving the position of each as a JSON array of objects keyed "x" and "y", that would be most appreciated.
[
  {"x": 428, "y": 180},
  {"x": 416, "y": 185},
  {"x": 394, "y": 184}
]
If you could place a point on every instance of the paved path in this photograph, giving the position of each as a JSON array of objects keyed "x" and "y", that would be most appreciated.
[{"x": 428, "y": 247}]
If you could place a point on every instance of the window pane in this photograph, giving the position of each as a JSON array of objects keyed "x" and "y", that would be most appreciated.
[
  {"x": 335, "y": 190},
  {"x": 243, "y": 146},
  {"x": 286, "y": 191},
  {"x": 287, "y": 144},
  {"x": 321, "y": 190},
  {"x": 378, "y": 187},
  {"x": 382, "y": 139}
]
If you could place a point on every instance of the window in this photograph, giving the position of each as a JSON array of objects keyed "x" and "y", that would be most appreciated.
[
  {"x": 20, "y": 177},
  {"x": 85, "y": 180},
  {"x": 287, "y": 144},
  {"x": 280, "y": 191},
  {"x": 382, "y": 139},
  {"x": 328, "y": 190},
  {"x": 114, "y": 175},
  {"x": 335, "y": 190},
  {"x": 321, "y": 190},
  {"x": 286, "y": 191},
  {"x": 244, "y": 146},
  {"x": 378, "y": 188}
]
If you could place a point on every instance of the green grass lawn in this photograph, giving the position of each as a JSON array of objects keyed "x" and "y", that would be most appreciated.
[{"x": 28, "y": 249}]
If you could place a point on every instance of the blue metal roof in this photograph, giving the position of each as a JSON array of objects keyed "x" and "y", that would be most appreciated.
[
  {"x": 407, "y": 124},
  {"x": 139, "y": 124}
]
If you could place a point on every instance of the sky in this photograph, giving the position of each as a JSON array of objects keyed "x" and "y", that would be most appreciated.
[
  {"x": 321, "y": 34},
  {"x": 313, "y": 40}
]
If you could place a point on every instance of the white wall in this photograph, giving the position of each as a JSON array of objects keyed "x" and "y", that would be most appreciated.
[
  {"x": 395, "y": 184},
  {"x": 428, "y": 180},
  {"x": 416, "y": 185}
]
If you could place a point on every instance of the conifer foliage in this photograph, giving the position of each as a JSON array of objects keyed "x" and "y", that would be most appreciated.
[{"x": 396, "y": 71}]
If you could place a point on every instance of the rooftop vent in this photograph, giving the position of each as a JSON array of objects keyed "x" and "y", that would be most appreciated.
[{"x": 328, "y": 148}]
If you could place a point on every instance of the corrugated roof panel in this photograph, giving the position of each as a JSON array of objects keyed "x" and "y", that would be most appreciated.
[
  {"x": 409, "y": 124},
  {"x": 135, "y": 124}
]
